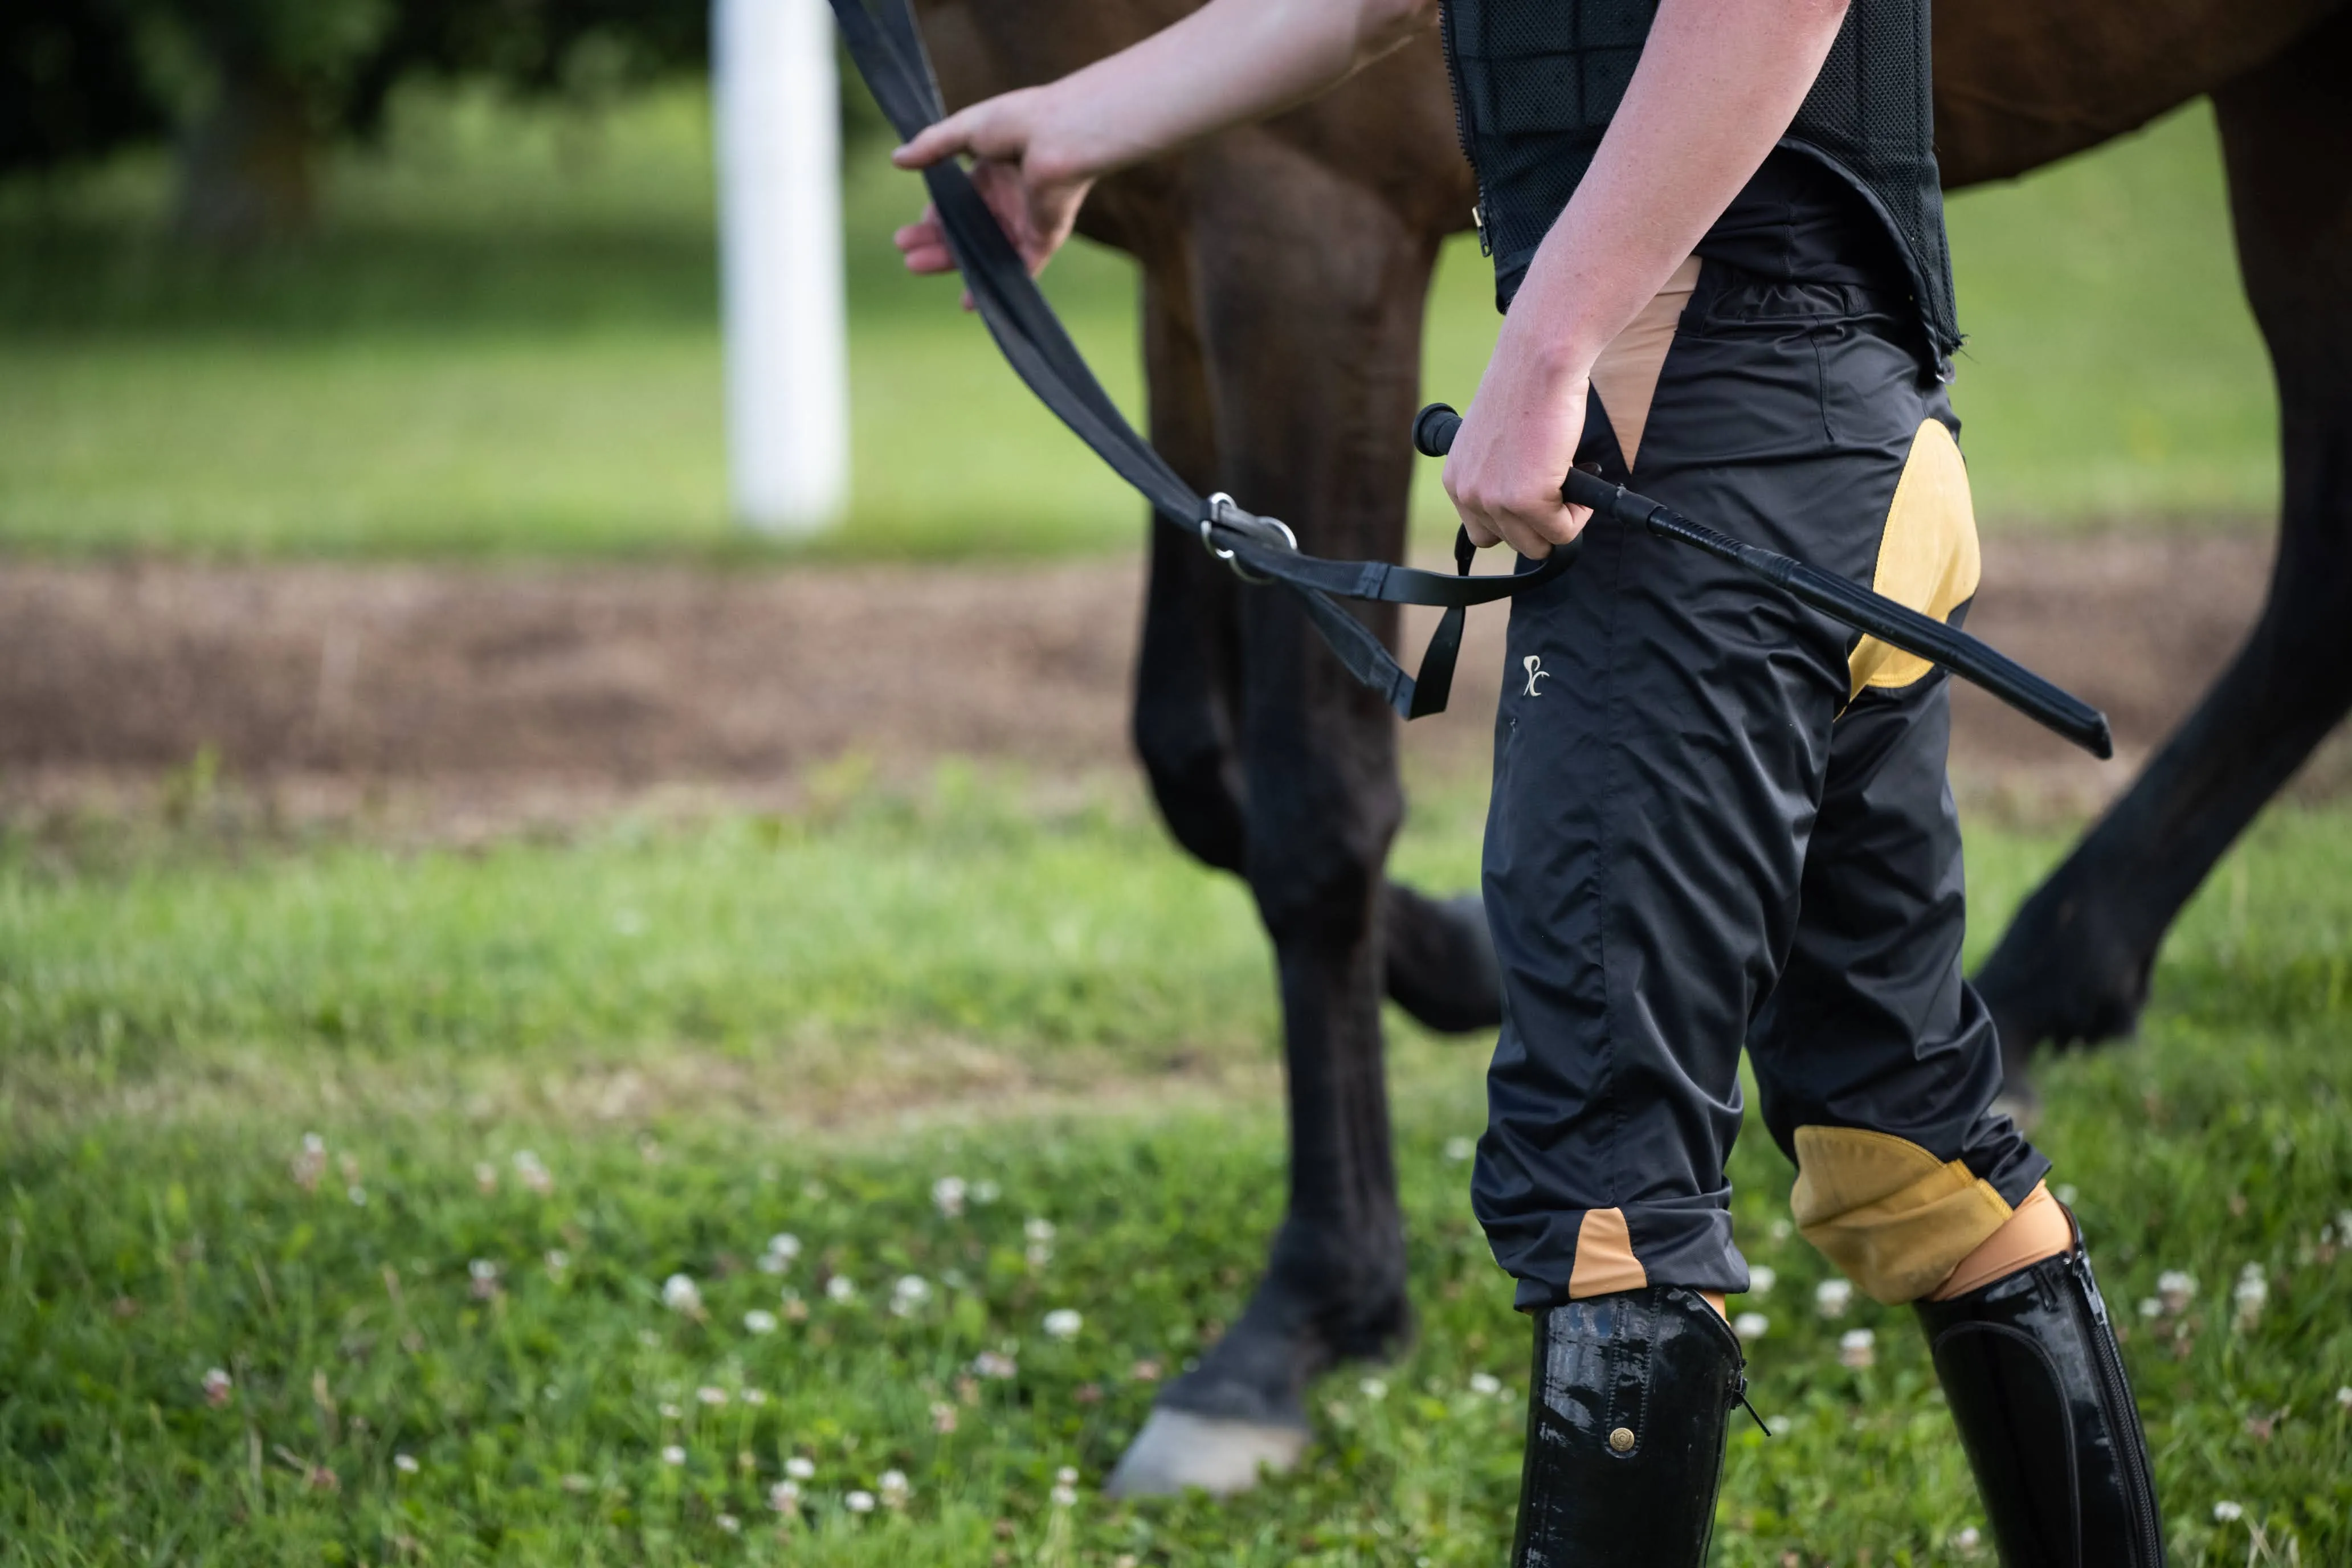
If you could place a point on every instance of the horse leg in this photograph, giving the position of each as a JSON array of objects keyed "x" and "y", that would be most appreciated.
[
  {"x": 1308, "y": 305},
  {"x": 1439, "y": 959},
  {"x": 2074, "y": 964}
]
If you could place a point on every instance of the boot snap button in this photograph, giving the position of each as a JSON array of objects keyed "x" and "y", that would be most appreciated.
[{"x": 1621, "y": 1439}]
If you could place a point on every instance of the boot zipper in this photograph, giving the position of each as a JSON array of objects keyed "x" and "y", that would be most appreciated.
[
  {"x": 1462, "y": 128},
  {"x": 2115, "y": 1395}
]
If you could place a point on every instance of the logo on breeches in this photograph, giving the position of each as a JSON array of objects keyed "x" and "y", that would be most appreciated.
[{"x": 1536, "y": 671}]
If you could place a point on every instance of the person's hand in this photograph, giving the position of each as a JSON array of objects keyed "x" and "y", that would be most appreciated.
[
  {"x": 1034, "y": 186},
  {"x": 1515, "y": 448}
]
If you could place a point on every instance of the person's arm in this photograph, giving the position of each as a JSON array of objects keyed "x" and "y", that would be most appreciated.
[
  {"x": 1718, "y": 82},
  {"x": 1038, "y": 150}
]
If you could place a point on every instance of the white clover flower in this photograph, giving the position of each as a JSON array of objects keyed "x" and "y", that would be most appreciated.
[
  {"x": 558, "y": 1260},
  {"x": 759, "y": 1320},
  {"x": 672, "y": 1455},
  {"x": 1485, "y": 1384},
  {"x": 1460, "y": 1149},
  {"x": 1857, "y": 1348},
  {"x": 2149, "y": 1307},
  {"x": 2228, "y": 1513},
  {"x": 1066, "y": 1487},
  {"x": 1037, "y": 1228},
  {"x": 755, "y": 1396},
  {"x": 486, "y": 1176},
  {"x": 486, "y": 1279},
  {"x": 711, "y": 1395},
  {"x": 1751, "y": 1325},
  {"x": 948, "y": 1195},
  {"x": 859, "y": 1502},
  {"x": 670, "y": 1412},
  {"x": 908, "y": 1295},
  {"x": 1761, "y": 1278},
  {"x": 1779, "y": 1229},
  {"x": 841, "y": 1288},
  {"x": 2344, "y": 1398},
  {"x": 1968, "y": 1540},
  {"x": 357, "y": 1194},
  {"x": 681, "y": 1294},
  {"x": 1832, "y": 1296},
  {"x": 2176, "y": 1288},
  {"x": 310, "y": 1164},
  {"x": 785, "y": 1496},
  {"x": 729, "y": 1522},
  {"x": 1064, "y": 1322},
  {"x": 534, "y": 1174},
  {"x": 994, "y": 1364},
  {"x": 892, "y": 1485},
  {"x": 2248, "y": 1296},
  {"x": 405, "y": 1463},
  {"x": 783, "y": 1248},
  {"x": 1374, "y": 1389},
  {"x": 985, "y": 1192},
  {"x": 801, "y": 1469}
]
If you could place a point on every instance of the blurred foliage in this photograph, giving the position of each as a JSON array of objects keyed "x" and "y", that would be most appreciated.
[{"x": 250, "y": 89}]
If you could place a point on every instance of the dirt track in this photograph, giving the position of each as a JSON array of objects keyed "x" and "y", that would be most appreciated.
[{"x": 507, "y": 692}]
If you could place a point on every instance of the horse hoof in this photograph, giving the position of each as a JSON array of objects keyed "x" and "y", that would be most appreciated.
[{"x": 1178, "y": 1451}]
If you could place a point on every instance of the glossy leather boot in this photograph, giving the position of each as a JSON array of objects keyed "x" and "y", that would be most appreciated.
[
  {"x": 2035, "y": 1379},
  {"x": 1627, "y": 1412}
]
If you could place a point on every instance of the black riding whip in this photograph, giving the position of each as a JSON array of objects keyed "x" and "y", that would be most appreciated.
[{"x": 2040, "y": 701}]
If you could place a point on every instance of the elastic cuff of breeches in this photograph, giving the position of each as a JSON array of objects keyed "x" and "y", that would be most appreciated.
[
  {"x": 1629, "y": 1249},
  {"x": 1893, "y": 1218}
]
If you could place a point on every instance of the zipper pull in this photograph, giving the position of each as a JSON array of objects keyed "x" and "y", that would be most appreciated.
[
  {"x": 1478, "y": 222},
  {"x": 2079, "y": 1268}
]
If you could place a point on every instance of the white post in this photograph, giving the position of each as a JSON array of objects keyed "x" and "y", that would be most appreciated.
[{"x": 780, "y": 262}]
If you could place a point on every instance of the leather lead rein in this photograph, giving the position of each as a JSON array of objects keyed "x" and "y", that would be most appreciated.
[{"x": 888, "y": 53}]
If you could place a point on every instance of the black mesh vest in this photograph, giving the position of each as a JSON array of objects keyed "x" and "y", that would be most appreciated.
[{"x": 1536, "y": 81}]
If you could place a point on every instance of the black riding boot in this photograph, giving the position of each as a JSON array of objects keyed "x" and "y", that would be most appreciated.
[
  {"x": 2030, "y": 1369},
  {"x": 1626, "y": 1416}
]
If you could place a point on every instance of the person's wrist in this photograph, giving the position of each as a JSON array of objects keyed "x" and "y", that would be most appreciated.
[{"x": 1063, "y": 148}]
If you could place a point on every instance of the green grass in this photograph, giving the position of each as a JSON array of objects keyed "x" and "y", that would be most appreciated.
[
  {"x": 802, "y": 1018},
  {"x": 502, "y": 342}
]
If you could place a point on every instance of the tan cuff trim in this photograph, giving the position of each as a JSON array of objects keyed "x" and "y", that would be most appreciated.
[
  {"x": 2039, "y": 1229},
  {"x": 1605, "y": 1263},
  {"x": 1894, "y": 1218}
]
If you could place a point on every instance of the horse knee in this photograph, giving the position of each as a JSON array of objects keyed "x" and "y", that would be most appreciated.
[
  {"x": 1317, "y": 877},
  {"x": 1195, "y": 779}
]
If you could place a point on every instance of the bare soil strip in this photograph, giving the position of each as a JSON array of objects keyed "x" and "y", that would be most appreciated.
[{"x": 499, "y": 694}]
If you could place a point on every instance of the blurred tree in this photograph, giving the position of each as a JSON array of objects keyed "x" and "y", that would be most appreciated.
[{"x": 251, "y": 90}]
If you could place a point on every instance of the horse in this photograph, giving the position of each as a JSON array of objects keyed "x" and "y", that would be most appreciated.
[{"x": 1285, "y": 271}]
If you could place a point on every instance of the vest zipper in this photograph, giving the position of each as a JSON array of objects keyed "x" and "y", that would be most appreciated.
[
  {"x": 1462, "y": 127},
  {"x": 2115, "y": 1394}
]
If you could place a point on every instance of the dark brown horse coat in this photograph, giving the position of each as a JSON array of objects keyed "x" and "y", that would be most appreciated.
[{"x": 1285, "y": 269}]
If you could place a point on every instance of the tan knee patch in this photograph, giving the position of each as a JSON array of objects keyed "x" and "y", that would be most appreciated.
[
  {"x": 1605, "y": 1263},
  {"x": 1894, "y": 1218},
  {"x": 1928, "y": 556}
]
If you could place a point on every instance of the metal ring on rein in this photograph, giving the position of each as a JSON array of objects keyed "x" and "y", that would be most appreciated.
[{"x": 1219, "y": 502}]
